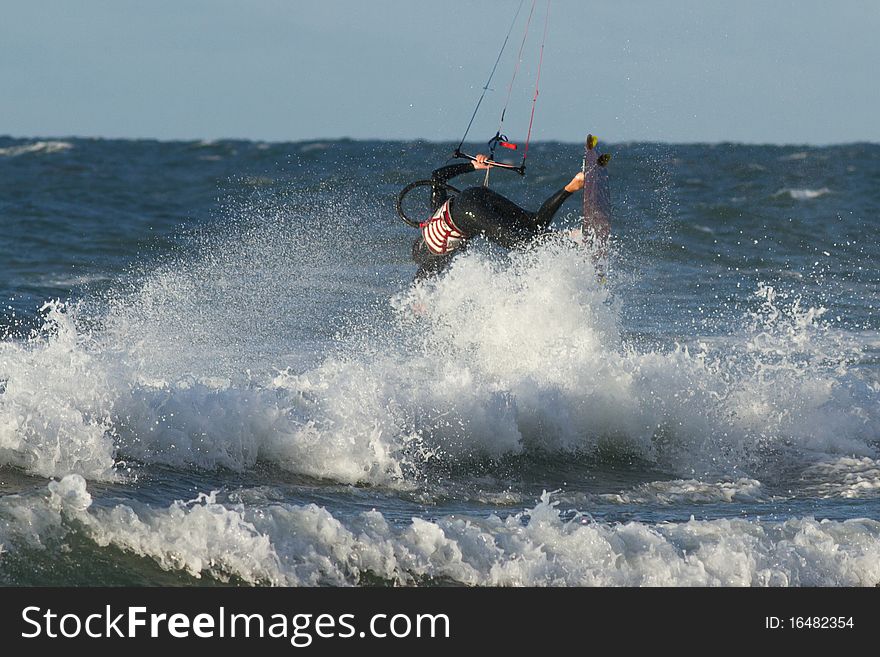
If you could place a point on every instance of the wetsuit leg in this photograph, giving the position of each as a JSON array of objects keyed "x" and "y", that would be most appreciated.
[
  {"x": 547, "y": 211},
  {"x": 480, "y": 210}
]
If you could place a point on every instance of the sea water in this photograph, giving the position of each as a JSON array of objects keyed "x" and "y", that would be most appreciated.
[{"x": 215, "y": 368}]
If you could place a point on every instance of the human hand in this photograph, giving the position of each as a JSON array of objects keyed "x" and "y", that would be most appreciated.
[{"x": 481, "y": 162}]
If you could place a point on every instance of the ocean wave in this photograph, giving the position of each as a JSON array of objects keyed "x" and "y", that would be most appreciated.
[
  {"x": 845, "y": 477},
  {"x": 54, "y": 413},
  {"x": 36, "y": 147},
  {"x": 169, "y": 377},
  {"x": 690, "y": 491},
  {"x": 802, "y": 194},
  {"x": 292, "y": 545},
  {"x": 71, "y": 281},
  {"x": 796, "y": 156},
  {"x": 311, "y": 147}
]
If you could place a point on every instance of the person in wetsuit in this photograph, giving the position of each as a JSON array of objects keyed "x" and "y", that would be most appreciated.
[{"x": 478, "y": 211}]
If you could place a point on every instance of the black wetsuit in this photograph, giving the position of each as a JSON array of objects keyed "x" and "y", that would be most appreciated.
[{"x": 482, "y": 211}]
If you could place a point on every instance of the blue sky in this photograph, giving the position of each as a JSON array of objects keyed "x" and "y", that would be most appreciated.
[{"x": 756, "y": 71}]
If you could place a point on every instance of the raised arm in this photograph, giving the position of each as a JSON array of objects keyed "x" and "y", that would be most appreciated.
[{"x": 439, "y": 193}]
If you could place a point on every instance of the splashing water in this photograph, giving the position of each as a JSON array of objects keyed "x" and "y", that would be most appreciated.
[
  {"x": 498, "y": 357},
  {"x": 331, "y": 423},
  {"x": 308, "y": 546}
]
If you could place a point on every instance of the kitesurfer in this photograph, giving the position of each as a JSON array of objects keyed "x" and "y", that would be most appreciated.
[{"x": 478, "y": 211}]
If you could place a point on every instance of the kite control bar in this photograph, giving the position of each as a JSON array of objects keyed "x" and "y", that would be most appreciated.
[
  {"x": 521, "y": 169},
  {"x": 497, "y": 140}
]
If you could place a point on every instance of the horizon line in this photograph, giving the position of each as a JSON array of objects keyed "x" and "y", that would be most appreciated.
[{"x": 308, "y": 140}]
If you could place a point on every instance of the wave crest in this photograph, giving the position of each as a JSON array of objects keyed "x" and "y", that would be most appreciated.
[
  {"x": 36, "y": 147},
  {"x": 306, "y": 545}
]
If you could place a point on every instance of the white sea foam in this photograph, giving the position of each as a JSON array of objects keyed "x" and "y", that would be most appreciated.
[
  {"x": 36, "y": 147},
  {"x": 798, "y": 155},
  {"x": 314, "y": 146},
  {"x": 71, "y": 281},
  {"x": 690, "y": 491},
  {"x": 802, "y": 194},
  {"x": 54, "y": 411},
  {"x": 845, "y": 477},
  {"x": 306, "y": 545},
  {"x": 497, "y": 357},
  {"x": 573, "y": 383}
]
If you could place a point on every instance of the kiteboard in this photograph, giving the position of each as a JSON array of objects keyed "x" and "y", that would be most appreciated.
[{"x": 597, "y": 196}]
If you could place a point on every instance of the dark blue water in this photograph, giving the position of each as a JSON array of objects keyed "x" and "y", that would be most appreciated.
[{"x": 215, "y": 368}]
